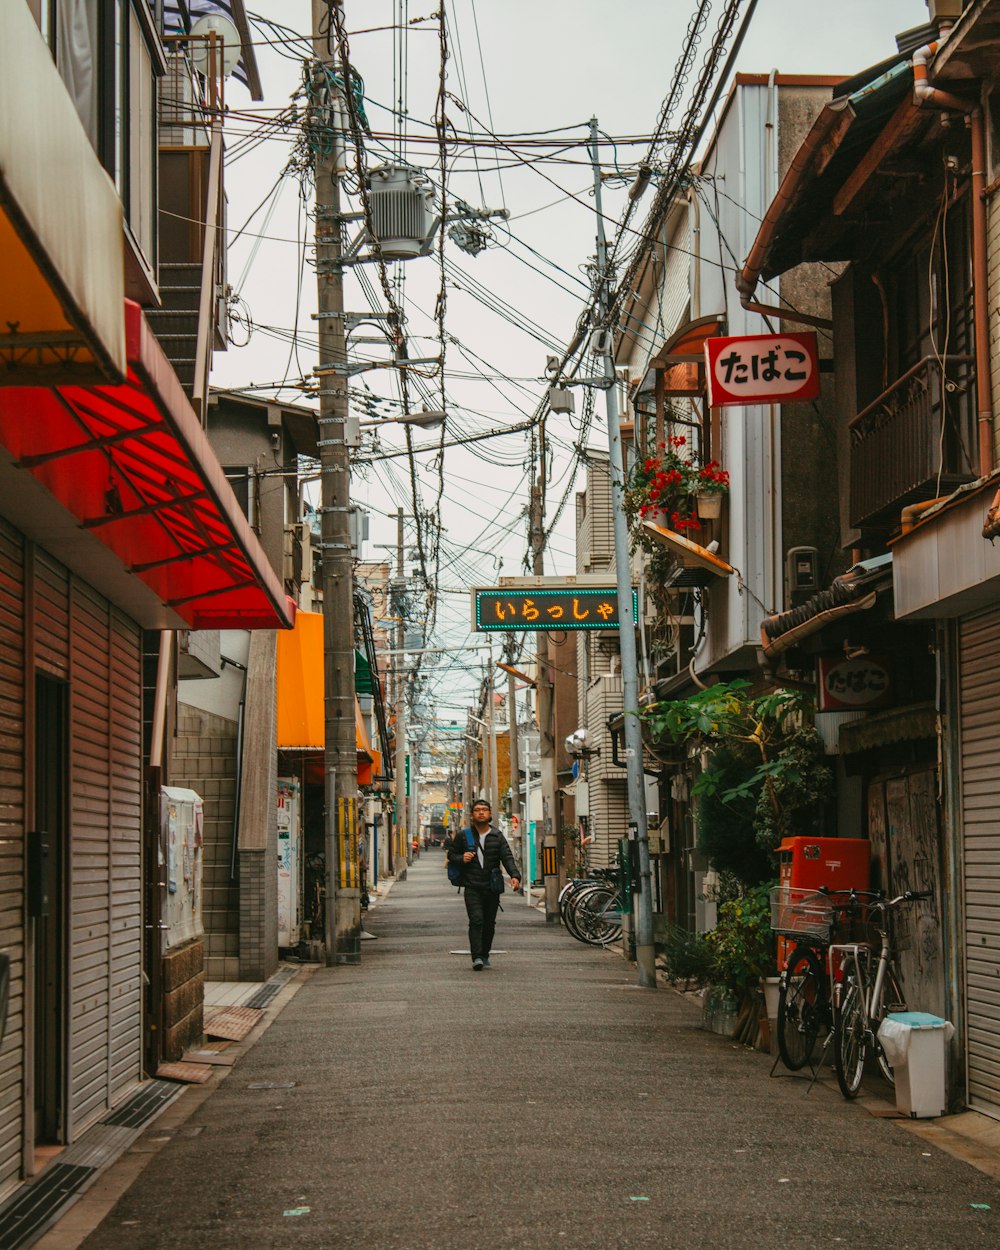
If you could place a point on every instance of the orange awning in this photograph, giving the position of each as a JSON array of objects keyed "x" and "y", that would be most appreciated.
[{"x": 301, "y": 713}]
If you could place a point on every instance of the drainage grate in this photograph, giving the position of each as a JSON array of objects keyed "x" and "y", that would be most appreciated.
[
  {"x": 36, "y": 1206},
  {"x": 148, "y": 1102},
  {"x": 99, "y": 1145},
  {"x": 272, "y": 989}
]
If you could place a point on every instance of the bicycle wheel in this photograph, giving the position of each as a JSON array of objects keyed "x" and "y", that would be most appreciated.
[
  {"x": 598, "y": 916},
  {"x": 893, "y": 999},
  {"x": 801, "y": 1007},
  {"x": 573, "y": 917},
  {"x": 850, "y": 1038},
  {"x": 565, "y": 894}
]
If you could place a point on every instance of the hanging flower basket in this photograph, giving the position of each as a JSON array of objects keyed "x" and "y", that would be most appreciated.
[
  {"x": 711, "y": 486},
  {"x": 673, "y": 490},
  {"x": 709, "y": 505}
]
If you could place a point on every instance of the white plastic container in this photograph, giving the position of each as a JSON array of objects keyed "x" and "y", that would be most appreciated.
[{"x": 916, "y": 1044}]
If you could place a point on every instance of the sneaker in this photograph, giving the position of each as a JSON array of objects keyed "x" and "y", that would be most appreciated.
[
  {"x": 477, "y": 965},
  {"x": 486, "y": 962}
]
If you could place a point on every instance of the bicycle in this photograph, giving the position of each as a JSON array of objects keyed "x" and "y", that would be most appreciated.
[
  {"x": 808, "y": 918},
  {"x": 865, "y": 989},
  {"x": 590, "y": 907}
]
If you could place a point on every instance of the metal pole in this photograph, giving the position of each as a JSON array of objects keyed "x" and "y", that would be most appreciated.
[
  {"x": 343, "y": 910},
  {"x": 492, "y": 744},
  {"x": 515, "y": 764},
  {"x": 405, "y": 851},
  {"x": 645, "y": 950}
]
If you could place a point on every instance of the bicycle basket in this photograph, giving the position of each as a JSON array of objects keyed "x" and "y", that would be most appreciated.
[{"x": 797, "y": 913}]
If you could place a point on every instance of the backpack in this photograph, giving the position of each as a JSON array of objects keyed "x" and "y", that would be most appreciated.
[{"x": 455, "y": 871}]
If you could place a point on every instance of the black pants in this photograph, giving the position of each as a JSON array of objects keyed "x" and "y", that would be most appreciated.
[{"x": 481, "y": 907}]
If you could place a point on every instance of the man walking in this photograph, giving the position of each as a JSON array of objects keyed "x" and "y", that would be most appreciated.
[{"x": 480, "y": 874}]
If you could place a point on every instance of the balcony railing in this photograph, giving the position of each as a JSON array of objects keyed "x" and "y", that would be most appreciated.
[{"x": 915, "y": 442}]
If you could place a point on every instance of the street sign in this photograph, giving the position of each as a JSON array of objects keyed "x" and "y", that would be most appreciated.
[
  {"x": 762, "y": 369},
  {"x": 852, "y": 685},
  {"x": 565, "y": 607}
]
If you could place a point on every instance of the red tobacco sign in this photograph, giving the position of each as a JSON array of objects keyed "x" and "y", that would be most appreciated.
[{"x": 762, "y": 369}]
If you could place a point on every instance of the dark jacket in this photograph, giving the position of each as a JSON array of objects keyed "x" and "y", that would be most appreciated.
[{"x": 496, "y": 851}]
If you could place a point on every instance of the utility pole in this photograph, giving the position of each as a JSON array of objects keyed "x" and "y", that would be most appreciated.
[
  {"x": 638, "y": 832},
  {"x": 515, "y": 764},
  {"x": 343, "y": 883},
  {"x": 544, "y": 692},
  {"x": 491, "y": 723},
  {"x": 404, "y": 851}
]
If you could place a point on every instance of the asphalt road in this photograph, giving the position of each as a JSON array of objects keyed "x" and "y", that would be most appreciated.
[{"x": 545, "y": 1103}]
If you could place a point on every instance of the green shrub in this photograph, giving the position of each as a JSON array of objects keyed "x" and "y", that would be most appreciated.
[
  {"x": 742, "y": 944},
  {"x": 687, "y": 956}
]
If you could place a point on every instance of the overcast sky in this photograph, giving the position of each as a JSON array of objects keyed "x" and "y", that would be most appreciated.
[{"x": 520, "y": 66}]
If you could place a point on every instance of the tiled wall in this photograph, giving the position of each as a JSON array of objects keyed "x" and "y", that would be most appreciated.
[{"x": 204, "y": 760}]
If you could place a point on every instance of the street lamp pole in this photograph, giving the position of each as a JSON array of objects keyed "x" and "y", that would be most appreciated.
[
  {"x": 632, "y": 730},
  {"x": 343, "y": 885}
]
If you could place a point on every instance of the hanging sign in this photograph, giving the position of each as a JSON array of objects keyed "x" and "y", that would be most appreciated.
[
  {"x": 854, "y": 685},
  {"x": 569, "y": 607},
  {"x": 762, "y": 369}
]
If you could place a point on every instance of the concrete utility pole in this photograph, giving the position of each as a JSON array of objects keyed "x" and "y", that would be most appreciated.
[
  {"x": 546, "y": 833},
  {"x": 638, "y": 832},
  {"x": 343, "y": 883},
  {"x": 405, "y": 851},
  {"x": 515, "y": 764}
]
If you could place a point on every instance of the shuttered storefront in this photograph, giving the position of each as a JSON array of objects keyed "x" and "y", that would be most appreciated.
[
  {"x": 105, "y": 968},
  {"x": 12, "y": 842},
  {"x": 979, "y": 694},
  {"x": 63, "y": 646}
]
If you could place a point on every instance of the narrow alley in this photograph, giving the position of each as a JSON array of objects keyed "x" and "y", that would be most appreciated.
[{"x": 545, "y": 1102}]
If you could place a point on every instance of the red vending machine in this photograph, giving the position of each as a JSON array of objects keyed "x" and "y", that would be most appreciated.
[{"x": 833, "y": 863}]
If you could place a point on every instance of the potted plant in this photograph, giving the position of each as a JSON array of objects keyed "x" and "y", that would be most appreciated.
[
  {"x": 663, "y": 488},
  {"x": 712, "y": 486},
  {"x": 672, "y": 488},
  {"x": 742, "y": 945}
]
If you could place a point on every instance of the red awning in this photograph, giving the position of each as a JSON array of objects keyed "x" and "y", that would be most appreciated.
[{"x": 135, "y": 468}]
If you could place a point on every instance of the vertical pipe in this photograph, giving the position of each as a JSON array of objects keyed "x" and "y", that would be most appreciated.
[{"x": 980, "y": 287}]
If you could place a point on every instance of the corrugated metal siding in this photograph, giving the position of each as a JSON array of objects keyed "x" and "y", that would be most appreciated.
[
  {"x": 598, "y": 537},
  {"x": 51, "y": 613},
  {"x": 979, "y": 692},
  {"x": 607, "y": 783},
  {"x": 125, "y": 1021},
  {"x": 90, "y": 725},
  {"x": 12, "y": 840}
]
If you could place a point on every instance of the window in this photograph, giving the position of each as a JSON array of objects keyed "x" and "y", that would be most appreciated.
[
  {"x": 103, "y": 51},
  {"x": 240, "y": 478}
]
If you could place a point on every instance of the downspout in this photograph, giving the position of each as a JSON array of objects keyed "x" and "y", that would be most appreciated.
[
  {"x": 157, "y": 737},
  {"x": 924, "y": 93},
  {"x": 749, "y": 275}
]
